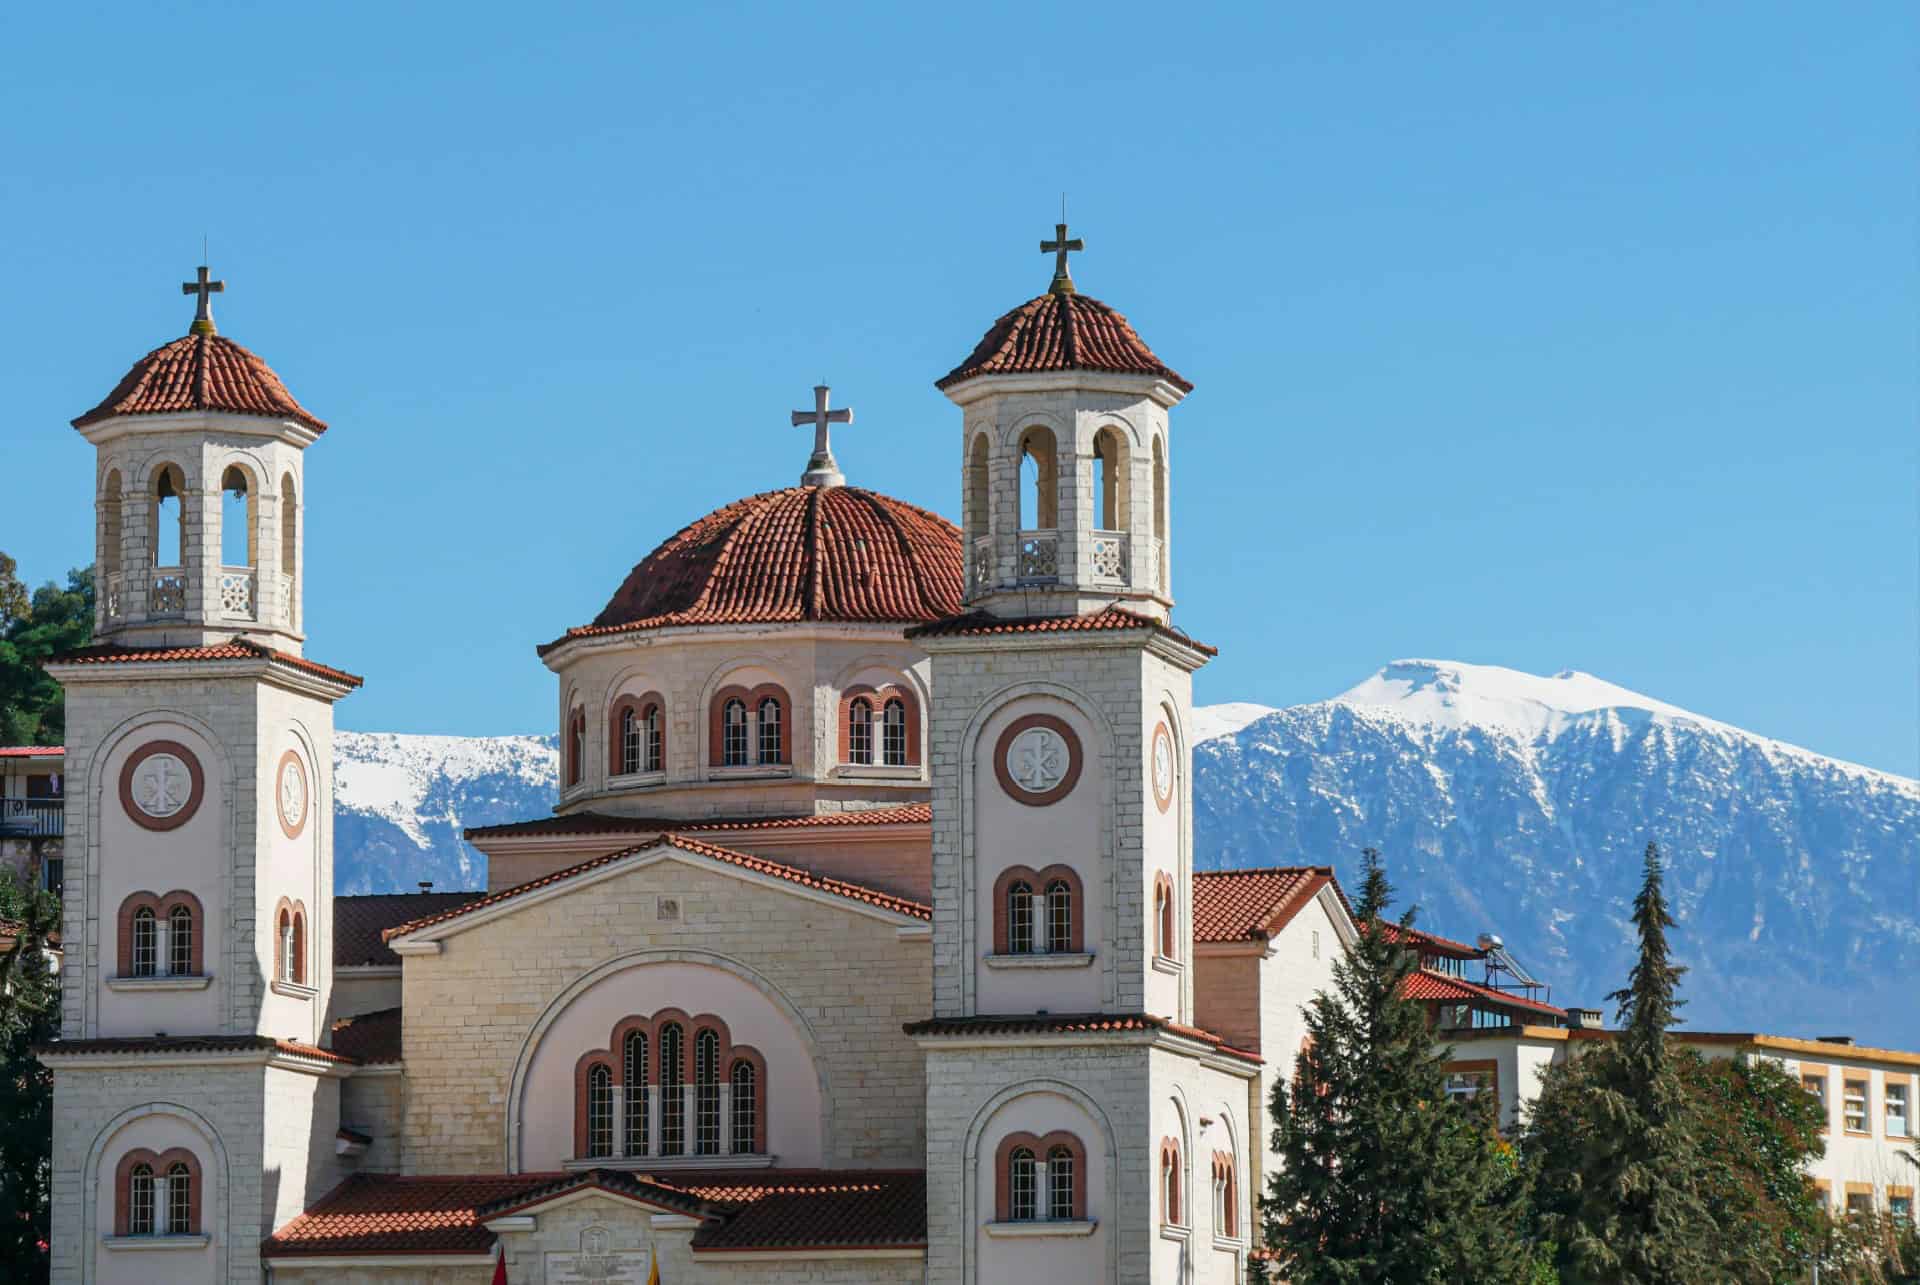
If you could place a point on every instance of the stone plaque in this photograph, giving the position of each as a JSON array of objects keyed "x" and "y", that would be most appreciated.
[{"x": 610, "y": 1267}]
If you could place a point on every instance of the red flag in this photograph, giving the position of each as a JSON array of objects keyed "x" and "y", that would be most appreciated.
[{"x": 500, "y": 1268}]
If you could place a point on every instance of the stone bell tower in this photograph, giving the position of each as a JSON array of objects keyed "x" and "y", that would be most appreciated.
[{"x": 194, "y": 1105}]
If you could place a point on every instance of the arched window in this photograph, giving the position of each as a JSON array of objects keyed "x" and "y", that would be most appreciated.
[
  {"x": 109, "y": 557},
  {"x": 636, "y": 736},
  {"x": 1160, "y": 508},
  {"x": 1226, "y": 1196},
  {"x": 734, "y": 729},
  {"x": 653, "y": 739},
  {"x": 1061, "y": 1177},
  {"x": 180, "y": 951},
  {"x": 1023, "y": 1196},
  {"x": 1059, "y": 915},
  {"x": 1039, "y": 480},
  {"x": 634, "y": 1064},
  {"x": 772, "y": 746},
  {"x": 283, "y": 946},
  {"x": 179, "y": 1199},
  {"x": 1019, "y": 899},
  {"x": 979, "y": 490},
  {"x": 600, "y": 1110},
  {"x": 239, "y": 540},
  {"x": 1165, "y": 936},
  {"x": 860, "y": 731},
  {"x": 289, "y": 545},
  {"x": 1113, "y": 489},
  {"x": 893, "y": 733},
  {"x": 146, "y": 943},
  {"x": 290, "y": 943},
  {"x": 1170, "y": 1182},
  {"x": 630, "y": 748},
  {"x": 141, "y": 1218},
  {"x": 706, "y": 1091},
  {"x": 673, "y": 1098},
  {"x": 576, "y": 746},
  {"x": 168, "y": 531},
  {"x": 745, "y": 1106}
]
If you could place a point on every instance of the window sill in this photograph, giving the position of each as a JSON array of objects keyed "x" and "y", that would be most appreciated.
[
  {"x": 750, "y": 772},
  {"x": 877, "y": 771},
  {"x": 200, "y": 1241},
  {"x": 1043, "y": 1227},
  {"x": 188, "y": 982},
  {"x": 1161, "y": 964},
  {"x": 635, "y": 780},
  {"x": 1174, "y": 1231},
  {"x": 293, "y": 990},
  {"x": 1060, "y": 959},
  {"x": 1228, "y": 1244},
  {"x": 648, "y": 1164}
]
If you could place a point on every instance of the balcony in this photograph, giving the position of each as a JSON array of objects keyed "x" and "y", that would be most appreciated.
[{"x": 32, "y": 818}]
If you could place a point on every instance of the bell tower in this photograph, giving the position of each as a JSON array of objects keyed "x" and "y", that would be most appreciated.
[{"x": 198, "y": 903}]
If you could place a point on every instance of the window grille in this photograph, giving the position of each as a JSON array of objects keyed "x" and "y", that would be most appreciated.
[
  {"x": 179, "y": 1200},
  {"x": 140, "y": 1201},
  {"x": 629, "y": 742},
  {"x": 599, "y": 1111},
  {"x": 706, "y": 1083},
  {"x": 734, "y": 734},
  {"x": 1020, "y": 918},
  {"x": 1022, "y": 1196},
  {"x": 745, "y": 1107},
  {"x": 146, "y": 943},
  {"x": 636, "y": 1090},
  {"x": 770, "y": 731},
  {"x": 180, "y": 941},
  {"x": 893, "y": 734},
  {"x": 673, "y": 1099},
  {"x": 1059, "y": 916},
  {"x": 1060, "y": 1183},
  {"x": 652, "y": 759},
  {"x": 860, "y": 732}
]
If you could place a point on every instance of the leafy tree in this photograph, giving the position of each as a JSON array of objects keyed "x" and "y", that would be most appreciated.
[
  {"x": 1620, "y": 1183},
  {"x": 29, "y": 1015},
  {"x": 1383, "y": 1177},
  {"x": 1756, "y": 1129},
  {"x": 33, "y": 628}
]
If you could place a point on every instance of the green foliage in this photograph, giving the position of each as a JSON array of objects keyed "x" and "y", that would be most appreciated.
[
  {"x": 1383, "y": 1177},
  {"x": 1868, "y": 1250},
  {"x": 29, "y": 1015},
  {"x": 33, "y": 628}
]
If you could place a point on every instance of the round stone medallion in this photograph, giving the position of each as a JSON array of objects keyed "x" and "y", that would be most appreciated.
[
  {"x": 1162, "y": 767},
  {"x": 290, "y": 790},
  {"x": 161, "y": 785},
  {"x": 1037, "y": 760}
]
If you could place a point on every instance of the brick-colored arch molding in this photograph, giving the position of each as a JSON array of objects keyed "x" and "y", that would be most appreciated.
[
  {"x": 1019, "y": 793},
  {"x": 196, "y": 778}
]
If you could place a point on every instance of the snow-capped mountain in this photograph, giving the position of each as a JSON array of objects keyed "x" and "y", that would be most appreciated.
[
  {"x": 1518, "y": 804},
  {"x": 1501, "y": 801}
]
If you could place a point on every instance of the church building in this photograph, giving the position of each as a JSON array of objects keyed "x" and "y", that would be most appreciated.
[{"x": 864, "y": 942}]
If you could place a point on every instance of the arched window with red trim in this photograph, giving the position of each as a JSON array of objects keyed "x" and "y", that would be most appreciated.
[
  {"x": 1170, "y": 1211},
  {"x": 157, "y": 1195},
  {"x": 576, "y": 746},
  {"x": 146, "y": 943},
  {"x": 637, "y": 736},
  {"x": 1226, "y": 1195},
  {"x": 771, "y": 727},
  {"x": 1038, "y": 1178},
  {"x": 1165, "y": 933},
  {"x": 670, "y": 1085},
  {"x": 1038, "y": 912},
  {"x": 893, "y": 733},
  {"x": 860, "y": 732},
  {"x": 160, "y": 936}
]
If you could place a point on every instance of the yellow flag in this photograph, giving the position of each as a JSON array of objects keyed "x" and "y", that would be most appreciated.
[{"x": 653, "y": 1272}]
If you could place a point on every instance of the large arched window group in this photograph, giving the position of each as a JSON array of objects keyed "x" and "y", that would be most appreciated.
[
  {"x": 1038, "y": 912},
  {"x": 161, "y": 936},
  {"x": 637, "y": 735},
  {"x": 669, "y": 1086},
  {"x": 1038, "y": 1179},
  {"x": 157, "y": 1194}
]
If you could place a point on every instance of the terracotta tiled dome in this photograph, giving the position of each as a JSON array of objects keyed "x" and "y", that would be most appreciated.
[
  {"x": 200, "y": 372},
  {"x": 805, "y": 553},
  {"x": 1061, "y": 330}
]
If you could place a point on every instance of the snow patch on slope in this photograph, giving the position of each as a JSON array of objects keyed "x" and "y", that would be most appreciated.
[
  {"x": 391, "y": 775},
  {"x": 1210, "y": 721}
]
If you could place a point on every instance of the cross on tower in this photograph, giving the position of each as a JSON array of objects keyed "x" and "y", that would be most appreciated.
[
  {"x": 821, "y": 469},
  {"x": 1060, "y": 247},
  {"x": 203, "y": 310}
]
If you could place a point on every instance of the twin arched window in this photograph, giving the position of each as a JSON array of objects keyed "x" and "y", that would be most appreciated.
[
  {"x": 1039, "y": 1179},
  {"x": 1171, "y": 1211},
  {"x": 750, "y": 727},
  {"x": 670, "y": 1085},
  {"x": 157, "y": 1195},
  {"x": 1166, "y": 937},
  {"x": 638, "y": 736},
  {"x": 1038, "y": 912},
  {"x": 290, "y": 942},
  {"x": 160, "y": 936},
  {"x": 1226, "y": 1195},
  {"x": 879, "y": 727}
]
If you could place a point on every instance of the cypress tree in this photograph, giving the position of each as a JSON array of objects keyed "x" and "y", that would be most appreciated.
[{"x": 1383, "y": 1176}]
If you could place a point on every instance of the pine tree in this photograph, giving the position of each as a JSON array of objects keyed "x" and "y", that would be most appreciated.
[
  {"x": 1384, "y": 1177},
  {"x": 1619, "y": 1172}
]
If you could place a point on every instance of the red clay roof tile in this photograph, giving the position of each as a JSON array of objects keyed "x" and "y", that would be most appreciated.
[
  {"x": 609, "y": 823},
  {"x": 358, "y": 922},
  {"x": 111, "y": 1044},
  {"x": 201, "y": 372},
  {"x": 385, "y": 1213},
  {"x": 237, "y": 649},
  {"x": 1244, "y": 905},
  {"x": 806, "y": 553},
  {"x": 747, "y": 861},
  {"x": 1061, "y": 332},
  {"x": 984, "y": 624},
  {"x": 31, "y": 751},
  {"x": 1426, "y": 984}
]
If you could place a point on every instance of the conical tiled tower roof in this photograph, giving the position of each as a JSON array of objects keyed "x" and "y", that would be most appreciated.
[
  {"x": 201, "y": 372},
  {"x": 1062, "y": 330}
]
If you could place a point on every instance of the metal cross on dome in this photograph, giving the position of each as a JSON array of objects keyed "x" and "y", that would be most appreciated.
[
  {"x": 1060, "y": 247},
  {"x": 821, "y": 468},
  {"x": 203, "y": 310}
]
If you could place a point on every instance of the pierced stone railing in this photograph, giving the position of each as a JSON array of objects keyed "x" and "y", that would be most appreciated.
[
  {"x": 1039, "y": 555},
  {"x": 168, "y": 597},
  {"x": 1110, "y": 556},
  {"x": 983, "y": 571},
  {"x": 237, "y": 593},
  {"x": 116, "y": 604}
]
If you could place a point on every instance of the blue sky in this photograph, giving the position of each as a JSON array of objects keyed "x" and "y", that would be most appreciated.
[{"x": 1543, "y": 336}]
